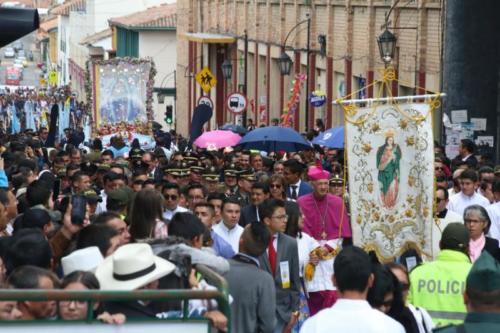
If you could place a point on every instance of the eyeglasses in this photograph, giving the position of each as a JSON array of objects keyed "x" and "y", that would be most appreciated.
[
  {"x": 280, "y": 217},
  {"x": 195, "y": 197},
  {"x": 275, "y": 186},
  {"x": 438, "y": 200},
  {"x": 170, "y": 197}
]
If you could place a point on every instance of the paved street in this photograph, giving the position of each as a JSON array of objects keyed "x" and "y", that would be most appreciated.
[{"x": 31, "y": 73}]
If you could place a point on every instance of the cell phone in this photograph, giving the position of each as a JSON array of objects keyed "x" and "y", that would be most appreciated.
[
  {"x": 78, "y": 209},
  {"x": 56, "y": 189}
]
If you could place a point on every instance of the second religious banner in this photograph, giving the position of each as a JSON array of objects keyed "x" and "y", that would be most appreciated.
[{"x": 390, "y": 156}]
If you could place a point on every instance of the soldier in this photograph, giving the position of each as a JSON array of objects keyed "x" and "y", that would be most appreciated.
[
  {"x": 211, "y": 179},
  {"x": 245, "y": 182},
  {"x": 231, "y": 179},
  {"x": 196, "y": 171}
]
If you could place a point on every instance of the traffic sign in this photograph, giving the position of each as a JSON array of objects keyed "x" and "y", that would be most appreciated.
[
  {"x": 205, "y": 100},
  {"x": 236, "y": 102},
  {"x": 317, "y": 98},
  {"x": 43, "y": 82},
  {"x": 206, "y": 79},
  {"x": 53, "y": 78}
]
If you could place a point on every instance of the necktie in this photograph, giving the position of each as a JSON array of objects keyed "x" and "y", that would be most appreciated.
[
  {"x": 272, "y": 255},
  {"x": 294, "y": 191}
]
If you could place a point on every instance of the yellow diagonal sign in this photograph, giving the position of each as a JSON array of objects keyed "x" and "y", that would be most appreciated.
[{"x": 205, "y": 79}]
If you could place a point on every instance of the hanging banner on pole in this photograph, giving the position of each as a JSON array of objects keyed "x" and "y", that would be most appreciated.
[{"x": 390, "y": 162}]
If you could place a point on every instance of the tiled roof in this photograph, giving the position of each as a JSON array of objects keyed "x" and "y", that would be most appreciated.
[
  {"x": 48, "y": 24},
  {"x": 163, "y": 16},
  {"x": 91, "y": 39},
  {"x": 69, "y": 6}
]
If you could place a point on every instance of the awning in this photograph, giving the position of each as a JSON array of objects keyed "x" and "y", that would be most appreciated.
[{"x": 208, "y": 38}]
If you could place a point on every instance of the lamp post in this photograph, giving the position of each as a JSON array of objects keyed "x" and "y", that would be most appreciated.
[
  {"x": 387, "y": 46},
  {"x": 285, "y": 62}
]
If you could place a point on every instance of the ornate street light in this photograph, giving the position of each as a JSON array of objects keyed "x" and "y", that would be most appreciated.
[
  {"x": 387, "y": 46},
  {"x": 285, "y": 63},
  {"x": 227, "y": 69}
]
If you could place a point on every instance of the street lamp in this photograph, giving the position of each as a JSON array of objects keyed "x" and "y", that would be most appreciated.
[
  {"x": 387, "y": 46},
  {"x": 285, "y": 63},
  {"x": 227, "y": 69}
]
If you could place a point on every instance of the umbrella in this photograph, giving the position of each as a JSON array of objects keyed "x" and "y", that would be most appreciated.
[
  {"x": 274, "y": 138},
  {"x": 235, "y": 129},
  {"x": 217, "y": 139},
  {"x": 332, "y": 138}
]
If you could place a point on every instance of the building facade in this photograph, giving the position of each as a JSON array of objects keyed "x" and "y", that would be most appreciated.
[{"x": 212, "y": 31}]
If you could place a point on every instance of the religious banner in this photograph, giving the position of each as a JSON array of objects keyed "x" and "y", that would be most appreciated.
[
  {"x": 391, "y": 177},
  {"x": 120, "y": 94}
]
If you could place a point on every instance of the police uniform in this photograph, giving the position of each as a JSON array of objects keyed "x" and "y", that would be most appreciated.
[
  {"x": 231, "y": 171},
  {"x": 249, "y": 175},
  {"x": 211, "y": 179},
  {"x": 484, "y": 277},
  {"x": 438, "y": 286}
]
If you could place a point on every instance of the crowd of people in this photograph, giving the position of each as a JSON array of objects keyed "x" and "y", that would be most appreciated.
[
  {"x": 32, "y": 109},
  {"x": 275, "y": 225}
]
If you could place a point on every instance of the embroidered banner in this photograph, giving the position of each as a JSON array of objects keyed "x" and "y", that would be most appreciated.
[{"x": 391, "y": 177}]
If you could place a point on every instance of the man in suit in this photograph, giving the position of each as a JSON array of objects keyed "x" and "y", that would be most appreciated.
[
  {"x": 249, "y": 213},
  {"x": 295, "y": 186},
  {"x": 465, "y": 155},
  {"x": 281, "y": 261},
  {"x": 254, "y": 296}
]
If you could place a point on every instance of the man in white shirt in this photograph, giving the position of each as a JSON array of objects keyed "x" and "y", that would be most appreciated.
[
  {"x": 171, "y": 193},
  {"x": 112, "y": 181},
  {"x": 494, "y": 212},
  {"x": 351, "y": 313},
  {"x": 467, "y": 195},
  {"x": 229, "y": 229}
]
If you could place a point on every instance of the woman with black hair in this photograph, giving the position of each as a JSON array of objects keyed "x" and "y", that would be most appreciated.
[
  {"x": 386, "y": 295},
  {"x": 422, "y": 317},
  {"x": 78, "y": 310}
]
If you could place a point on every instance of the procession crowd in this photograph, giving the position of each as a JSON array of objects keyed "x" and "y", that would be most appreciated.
[{"x": 275, "y": 225}]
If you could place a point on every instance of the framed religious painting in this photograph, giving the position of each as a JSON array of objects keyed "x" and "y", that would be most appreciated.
[{"x": 120, "y": 93}]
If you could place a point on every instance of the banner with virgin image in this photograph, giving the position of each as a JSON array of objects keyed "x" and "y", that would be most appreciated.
[{"x": 391, "y": 177}]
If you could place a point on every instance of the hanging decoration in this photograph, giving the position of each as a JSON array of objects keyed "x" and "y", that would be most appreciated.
[{"x": 293, "y": 102}]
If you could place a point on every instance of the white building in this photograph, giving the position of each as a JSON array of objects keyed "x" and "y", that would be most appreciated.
[{"x": 151, "y": 33}]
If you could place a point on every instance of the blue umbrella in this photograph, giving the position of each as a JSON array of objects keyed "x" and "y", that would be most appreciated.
[
  {"x": 332, "y": 138},
  {"x": 274, "y": 138},
  {"x": 235, "y": 129}
]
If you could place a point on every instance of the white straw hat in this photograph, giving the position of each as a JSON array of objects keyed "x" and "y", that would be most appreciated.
[
  {"x": 132, "y": 266},
  {"x": 86, "y": 259}
]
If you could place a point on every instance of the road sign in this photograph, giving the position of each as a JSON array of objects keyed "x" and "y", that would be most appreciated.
[
  {"x": 53, "y": 78},
  {"x": 43, "y": 82},
  {"x": 236, "y": 103},
  {"x": 206, "y": 79},
  {"x": 205, "y": 100}
]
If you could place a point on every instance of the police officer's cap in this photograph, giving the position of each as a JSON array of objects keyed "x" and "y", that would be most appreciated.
[{"x": 455, "y": 236}]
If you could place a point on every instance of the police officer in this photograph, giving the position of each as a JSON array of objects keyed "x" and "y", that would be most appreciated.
[
  {"x": 246, "y": 178},
  {"x": 210, "y": 178},
  {"x": 481, "y": 297},
  {"x": 438, "y": 286}
]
